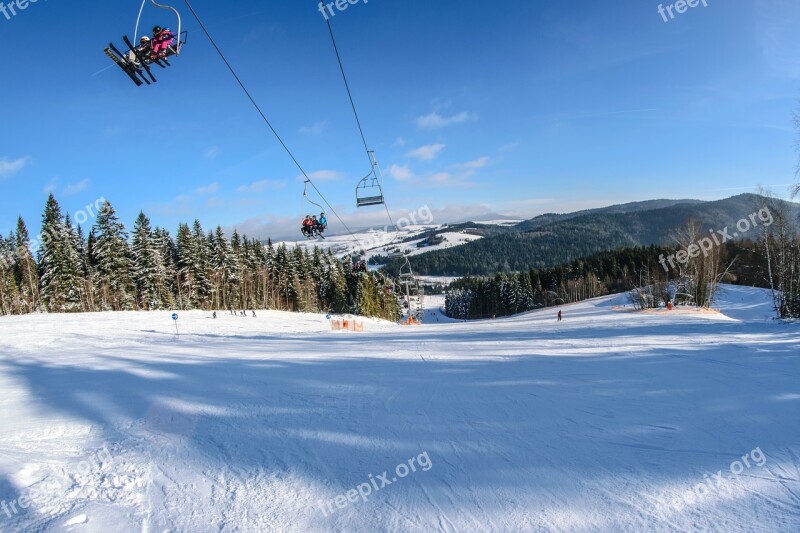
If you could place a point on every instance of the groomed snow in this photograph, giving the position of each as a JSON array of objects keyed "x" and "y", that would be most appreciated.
[
  {"x": 112, "y": 422},
  {"x": 451, "y": 239}
]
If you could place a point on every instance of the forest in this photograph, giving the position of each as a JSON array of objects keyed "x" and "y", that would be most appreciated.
[
  {"x": 148, "y": 269},
  {"x": 770, "y": 261}
]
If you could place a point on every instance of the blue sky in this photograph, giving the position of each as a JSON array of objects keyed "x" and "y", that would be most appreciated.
[{"x": 517, "y": 107}]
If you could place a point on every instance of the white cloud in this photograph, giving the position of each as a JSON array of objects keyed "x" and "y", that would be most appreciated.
[
  {"x": 211, "y": 188},
  {"x": 399, "y": 142},
  {"x": 51, "y": 186},
  {"x": 9, "y": 167},
  {"x": 316, "y": 129},
  {"x": 401, "y": 173},
  {"x": 435, "y": 120},
  {"x": 215, "y": 203},
  {"x": 74, "y": 188},
  {"x": 426, "y": 153},
  {"x": 478, "y": 163},
  {"x": 260, "y": 186},
  {"x": 508, "y": 147},
  {"x": 211, "y": 152},
  {"x": 323, "y": 175},
  {"x": 441, "y": 178}
]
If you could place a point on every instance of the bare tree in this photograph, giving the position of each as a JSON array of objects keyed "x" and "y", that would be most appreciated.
[
  {"x": 796, "y": 187},
  {"x": 699, "y": 260},
  {"x": 780, "y": 243}
]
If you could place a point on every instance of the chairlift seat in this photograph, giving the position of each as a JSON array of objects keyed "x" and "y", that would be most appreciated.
[{"x": 369, "y": 200}]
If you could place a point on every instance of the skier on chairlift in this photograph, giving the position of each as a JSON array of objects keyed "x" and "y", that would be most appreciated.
[
  {"x": 307, "y": 226},
  {"x": 145, "y": 47},
  {"x": 162, "y": 40}
]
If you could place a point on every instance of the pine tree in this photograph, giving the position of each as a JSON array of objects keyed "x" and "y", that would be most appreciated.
[
  {"x": 225, "y": 266},
  {"x": 286, "y": 278},
  {"x": 10, "y": 301},
  {"x": 337, "y": 294},
  {"x": 111, "y": 257},
  {"x": 72, "y": 249},
  {"x": 201, "y": 266},
  {"x": 184, "y": 267},
  {"x": 150, "y": 273},
  {"x": 25, "y": 271},
  {"x": 168, "y": 256},
  {"x": 57, "y": 269}
]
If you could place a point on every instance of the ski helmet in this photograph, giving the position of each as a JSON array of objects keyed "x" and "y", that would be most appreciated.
[{"x": 157, "y": 29}]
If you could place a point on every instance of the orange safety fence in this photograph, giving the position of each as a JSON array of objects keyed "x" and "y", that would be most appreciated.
[{"x": 347, "y": 324}]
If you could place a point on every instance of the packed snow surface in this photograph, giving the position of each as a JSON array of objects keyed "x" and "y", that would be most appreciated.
[{"x": 607, "y": 421}]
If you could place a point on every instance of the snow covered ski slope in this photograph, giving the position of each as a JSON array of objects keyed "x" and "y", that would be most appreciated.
[{"x": 607, "y": 421}]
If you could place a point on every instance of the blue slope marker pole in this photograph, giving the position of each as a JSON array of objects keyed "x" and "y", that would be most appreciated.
[{"x": 175, "y": 319}]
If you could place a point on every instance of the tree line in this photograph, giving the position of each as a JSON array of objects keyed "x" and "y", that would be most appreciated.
[
  {"x": 506, "y": 294},
  {"x": 110, "y": 270}
]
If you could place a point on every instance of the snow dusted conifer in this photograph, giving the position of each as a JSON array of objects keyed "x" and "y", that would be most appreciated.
[
  {"x": 168, "y": 254},
  {"x": 10, "y": 301},
  {"x": 201, "y": 266},
  {"x": 338, "y": 295},
  {"x": 150, "y": 273},
  {"x": 57, "y": 270},
  {"x": 225, "y": 265},
  {"x": 184, "y": 265},
  {"x": 25, "y": 269},
  {"x": 76, "y": 296},
  {"x": 111, "y": 258},
  {"x": 286, "y": 278}
]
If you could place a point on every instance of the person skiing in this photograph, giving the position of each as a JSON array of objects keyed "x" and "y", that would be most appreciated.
[
  {"x": 162, "y": 40},
  {"x": 323, "y": 221},
  {"x": 314, "y": 225},
  {"x": 559, "y": 315}
]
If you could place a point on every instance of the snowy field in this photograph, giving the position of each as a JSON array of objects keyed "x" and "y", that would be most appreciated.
[
  {"x": 381, "y": 242},
  {"x": 607, "y": 421},
  {"x": 451, "y": 239}
]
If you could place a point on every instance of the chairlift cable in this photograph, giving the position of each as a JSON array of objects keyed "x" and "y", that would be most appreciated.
[
  {"x": 372, "y": 160},
  {"x": 267, "y": 121}
]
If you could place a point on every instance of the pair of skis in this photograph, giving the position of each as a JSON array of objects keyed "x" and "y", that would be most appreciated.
[{"x": 138, "y": 71}]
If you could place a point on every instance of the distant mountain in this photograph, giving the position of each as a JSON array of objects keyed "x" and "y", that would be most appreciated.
[
  {"x": 491, "y": 218},
  {"x": 550, "y": 240},
  {"x": 633, "y": 207}
]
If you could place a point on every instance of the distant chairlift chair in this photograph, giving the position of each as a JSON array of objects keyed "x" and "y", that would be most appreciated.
[{"x": 369, "y": 190}]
